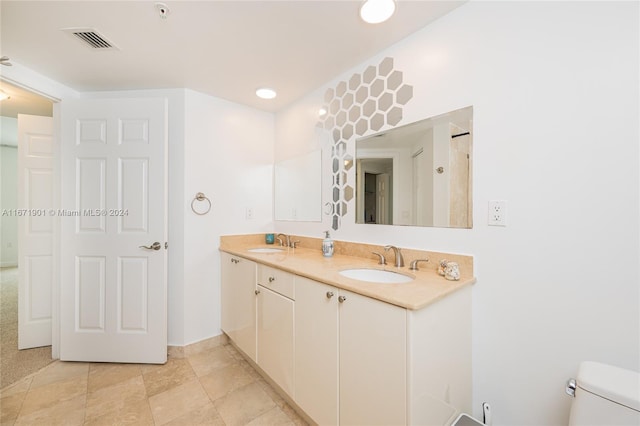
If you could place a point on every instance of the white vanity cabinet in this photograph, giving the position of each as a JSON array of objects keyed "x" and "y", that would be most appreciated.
[
  {"x": 350, "y": 357},
  {"x": 275, "y": 310},
  {"x": 347, "y": 359},
  {"x": 238, "y": 296}
]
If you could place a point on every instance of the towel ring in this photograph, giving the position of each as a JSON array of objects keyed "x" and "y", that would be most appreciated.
[{"x": 201, "y": 197}]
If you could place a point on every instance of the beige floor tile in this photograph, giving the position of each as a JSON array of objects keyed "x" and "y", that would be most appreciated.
[
  {"x": 53, "y": 394},
  {"x": 280, "y": 402},
  {"x": 249, "y": 369},
  {"x": 207, "y": 415},
  {"x": 107, "y": 394},
  {"x": 18, "y": 387},
  {"x": 294, "y": 416},
  {"x": 205, "y": 362},
  {"x": 60, "y": 371},
  {"x": 11, "y": 399},
  {"x": 243, "y": 405},
  {"x": 205, "y": 345},
  {"x": 102, "y": 375},
  {"x": 10, "y": 407},
  {"x": 118, "y": 402},
  {"x": 225, "y": 380},
  {"x": 273, "y": 417},
  {"x": 161, "y": 378},
  {"x": 132, "y": 413},
  {"x": 178, "y": 401},
  {"x": 69, "y": 412},
  {"x": 231, "y": 350}
]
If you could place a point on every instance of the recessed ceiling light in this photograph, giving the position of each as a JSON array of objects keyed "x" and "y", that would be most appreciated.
[
  {"x": 266, "y": 93},
  {"x": 377, "y": 11}
]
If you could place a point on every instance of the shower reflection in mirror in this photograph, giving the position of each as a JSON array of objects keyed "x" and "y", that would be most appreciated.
[{"x": 418, "y": 174}]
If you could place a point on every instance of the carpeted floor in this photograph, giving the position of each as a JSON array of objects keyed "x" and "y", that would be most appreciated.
[{"x": 15, "y": 364}]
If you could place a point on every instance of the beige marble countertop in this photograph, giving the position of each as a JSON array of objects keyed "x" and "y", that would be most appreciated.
[{"x": 426, "y": 288}]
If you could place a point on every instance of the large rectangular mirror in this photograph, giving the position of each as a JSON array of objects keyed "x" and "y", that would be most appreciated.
[
  {"x": 418, "y": 174},
  {"x": 298, "y": 186}
]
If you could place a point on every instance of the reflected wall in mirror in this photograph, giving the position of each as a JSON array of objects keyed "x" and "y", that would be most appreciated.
[
  {"x": 418, "y": 174},
  {"x": 298, "y": 186}
]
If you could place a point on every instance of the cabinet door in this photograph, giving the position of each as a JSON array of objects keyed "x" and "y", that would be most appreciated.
[
  {"x": 239, "y": 302},
  {"x": 373, "y": 369},
  {"x": 275, "y": 337},
  {"x": 316, "y": 350}
]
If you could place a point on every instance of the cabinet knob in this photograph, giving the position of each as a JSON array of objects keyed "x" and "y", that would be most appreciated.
[
  {"x": 329, "y": 294},
  {"x": 341, "y": 299},
  {"x": 257, "y": 292},
  {"x": 271, "y": 279},
  {"x": 234, "y": 260}
]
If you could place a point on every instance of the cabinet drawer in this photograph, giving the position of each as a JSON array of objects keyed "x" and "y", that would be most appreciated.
[{"x": 276, "y": 280}]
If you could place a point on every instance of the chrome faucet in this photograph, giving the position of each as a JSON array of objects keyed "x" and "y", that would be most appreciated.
[
  {"x": 399, "y": 258},
  {"x": 287, "y": 239}
]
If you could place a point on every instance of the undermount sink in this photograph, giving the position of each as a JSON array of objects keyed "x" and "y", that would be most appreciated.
[
  {"x": 265, "y": 250},
  {"x": 376, "y": 276}
]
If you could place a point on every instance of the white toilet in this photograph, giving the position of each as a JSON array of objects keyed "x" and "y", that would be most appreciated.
[{"x": 604, "y": 395}]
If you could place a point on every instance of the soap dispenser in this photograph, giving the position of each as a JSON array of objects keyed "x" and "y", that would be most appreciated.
[{"x": 327, "y": 245}]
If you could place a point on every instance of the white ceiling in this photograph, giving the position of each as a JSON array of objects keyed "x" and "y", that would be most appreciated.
[{"x": 223, "y": 48}]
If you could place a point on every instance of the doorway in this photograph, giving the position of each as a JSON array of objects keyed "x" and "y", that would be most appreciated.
[
  {"x": 14, "y": 364},
  {"x": 374, "y": 183}
]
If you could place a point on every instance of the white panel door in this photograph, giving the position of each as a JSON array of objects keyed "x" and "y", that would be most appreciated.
[
  {"x": 113, "y": 291},
  {"x": 383, "y": 200},
  {"x": 35, "y": 230}
]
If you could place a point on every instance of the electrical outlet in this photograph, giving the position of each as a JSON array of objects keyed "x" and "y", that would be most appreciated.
[
  {"x": 497, "y": 213},
  {"x": 249, "y": 213}
]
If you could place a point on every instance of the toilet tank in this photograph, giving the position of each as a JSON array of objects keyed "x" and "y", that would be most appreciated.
[{"x": 605, "y": 395}]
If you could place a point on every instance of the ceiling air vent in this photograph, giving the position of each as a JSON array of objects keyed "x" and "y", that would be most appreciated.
[{"x": 91, "y": 38}]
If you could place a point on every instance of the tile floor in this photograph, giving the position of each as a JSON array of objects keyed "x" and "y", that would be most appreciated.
[{"x": 213, "y": 387}]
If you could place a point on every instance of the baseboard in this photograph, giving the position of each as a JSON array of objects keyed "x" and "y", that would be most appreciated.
[
  {"x": 8, "y": 264},
  {"x": 194, "y": 348}
]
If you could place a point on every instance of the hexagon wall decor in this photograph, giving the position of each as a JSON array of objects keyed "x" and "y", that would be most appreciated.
[{"x": 365, "y": 102}]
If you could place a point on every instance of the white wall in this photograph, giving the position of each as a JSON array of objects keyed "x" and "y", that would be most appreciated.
[
  {"x": 8, "y": 131},
  {"x": 229, "y": 157},
  {"x": 554, "y": 86}
]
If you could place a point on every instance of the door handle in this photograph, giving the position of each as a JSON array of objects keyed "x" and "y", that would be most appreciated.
[{"x": 154, "y": 246}]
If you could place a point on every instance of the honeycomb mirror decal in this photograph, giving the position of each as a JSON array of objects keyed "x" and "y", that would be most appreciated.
[{"x": 364, "y": 103}]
